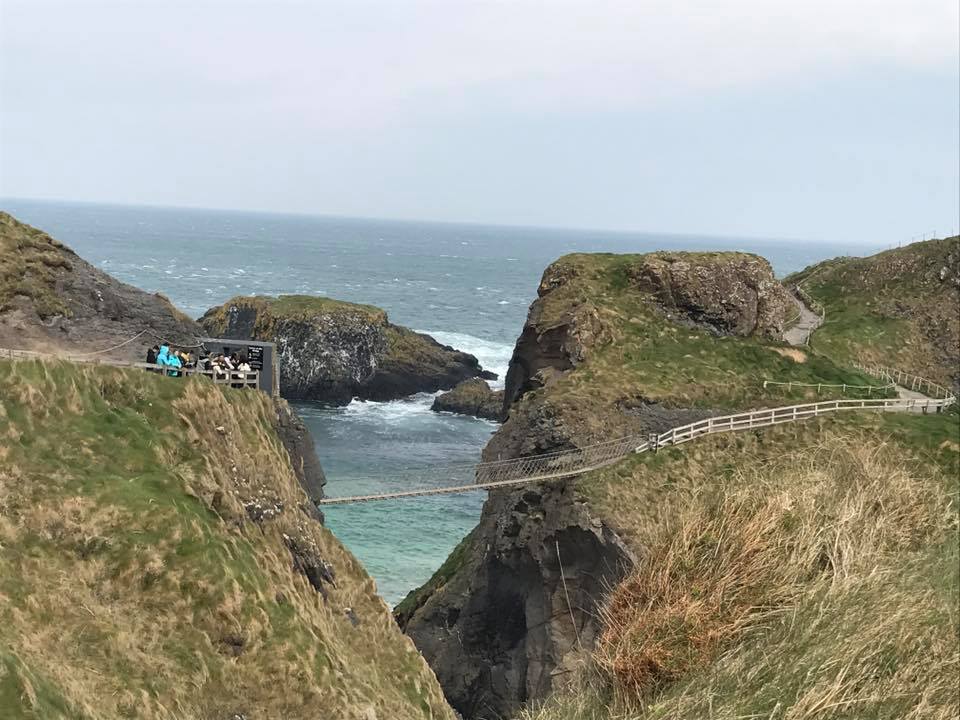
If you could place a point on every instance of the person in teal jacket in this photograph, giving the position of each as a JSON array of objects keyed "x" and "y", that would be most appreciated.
[{"x": 168, "y": 359}]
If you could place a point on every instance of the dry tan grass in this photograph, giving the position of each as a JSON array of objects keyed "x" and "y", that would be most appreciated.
[
  {"x": 754, "y": 549},
  {"x": 813, "y": 584}
]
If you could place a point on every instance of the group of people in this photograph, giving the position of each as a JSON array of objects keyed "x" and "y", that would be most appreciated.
[
  {"x": 165, "y": 356},
  {"x": 220, "y": 366}
]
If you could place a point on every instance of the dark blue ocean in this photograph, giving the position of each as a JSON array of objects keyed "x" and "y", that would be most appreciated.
[{"x": 468, "y": 285}]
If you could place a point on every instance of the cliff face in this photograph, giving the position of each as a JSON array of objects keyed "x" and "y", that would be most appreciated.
[
  {"x": 898, "y": 308},
  {"x": 332, "y": 351},
  {"x": 613, "y": 346},
  {"x": 160, "y": 559},
  {"x": 53, "y": 300}
]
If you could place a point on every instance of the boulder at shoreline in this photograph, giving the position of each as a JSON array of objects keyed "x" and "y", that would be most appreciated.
[{"x": 472, "y": 397}]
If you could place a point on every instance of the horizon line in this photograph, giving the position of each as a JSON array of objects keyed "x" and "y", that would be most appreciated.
[{"x": 428, "y": 221}]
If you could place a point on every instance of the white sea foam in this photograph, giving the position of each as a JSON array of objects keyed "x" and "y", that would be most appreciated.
[
  {"x": 390, "y": 411},
  {"x": 493, "y": 355}
]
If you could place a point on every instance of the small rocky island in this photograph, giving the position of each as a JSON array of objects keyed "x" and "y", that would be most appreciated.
[
  {"x": 472, "y": 397},
  {"x": 333, "y": 351}
]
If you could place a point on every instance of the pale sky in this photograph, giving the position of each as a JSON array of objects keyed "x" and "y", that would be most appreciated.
[{"x": 823, "y": 119}]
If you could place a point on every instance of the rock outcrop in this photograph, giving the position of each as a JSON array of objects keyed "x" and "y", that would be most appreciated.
[
  {"x": 331, "y": 351},
  {"x": 52, "y": 300},
  {"x": 609, "y": 349},
  {"x": 471, "y": 397}
]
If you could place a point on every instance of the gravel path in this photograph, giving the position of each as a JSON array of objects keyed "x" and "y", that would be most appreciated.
[{"x": 808, "y": 322}]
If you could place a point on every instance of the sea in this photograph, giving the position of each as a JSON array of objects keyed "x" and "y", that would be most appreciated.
[{"x": 468, "y": 285}]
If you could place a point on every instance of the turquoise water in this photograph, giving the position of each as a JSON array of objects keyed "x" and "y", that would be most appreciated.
[{"x": 468, "y": 285}]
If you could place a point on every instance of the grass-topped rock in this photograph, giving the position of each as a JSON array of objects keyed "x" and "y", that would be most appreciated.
[
  {"x": 471, "y": 397},
  {"x": 897, "y": 308},
  {"x": 159, "y": 559},
  {"x": 620, "y": 344},
  {"x": 332, "y": 351},
  {"x": 51, "y": 300}
]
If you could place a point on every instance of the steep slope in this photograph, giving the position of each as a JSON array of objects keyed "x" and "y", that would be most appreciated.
[
  {"x": 158, "y": 559},
  {"x": 53, "y": 300},
  {"x": 613, "y": 346},
  {"x": 333, "y": 351},
  {"x": 900, "y": 307},
  {"x": 806, "y": 571}
]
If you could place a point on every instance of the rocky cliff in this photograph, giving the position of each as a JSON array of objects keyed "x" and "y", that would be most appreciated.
[
  {"x": 160, "y": 559},
  {"x": 898, "y": 307},
  {"x": 613, "y": 346},
  {"x": 332, "y": 351},
  {"x": 53, "y": 300}
]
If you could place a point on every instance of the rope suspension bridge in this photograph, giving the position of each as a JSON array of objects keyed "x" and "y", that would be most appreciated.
[{"x": 570, "y": 463}]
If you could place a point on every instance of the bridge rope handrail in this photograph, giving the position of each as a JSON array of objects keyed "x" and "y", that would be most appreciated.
[{"x": 570, "y": 463}]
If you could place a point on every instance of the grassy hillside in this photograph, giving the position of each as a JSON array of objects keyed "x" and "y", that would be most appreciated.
[
  {"x": 158, "y": 560},
  {"x": 804, "y": 571},
  {"x": 899, "y": 308}
]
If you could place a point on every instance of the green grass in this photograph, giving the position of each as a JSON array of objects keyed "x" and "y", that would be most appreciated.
[
  {"x": 283, "y": 308},
  {"x": 636, "y": 356}
]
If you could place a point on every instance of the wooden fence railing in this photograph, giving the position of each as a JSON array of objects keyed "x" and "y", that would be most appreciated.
[
  {"x": 906, "y": 380},
  {"x": 792, "y": 413}
]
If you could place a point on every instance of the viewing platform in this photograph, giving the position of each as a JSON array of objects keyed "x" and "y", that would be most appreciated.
[{"x": 264, "y": 373}]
